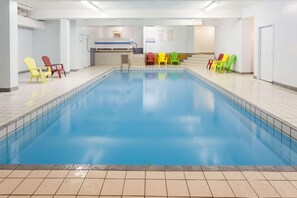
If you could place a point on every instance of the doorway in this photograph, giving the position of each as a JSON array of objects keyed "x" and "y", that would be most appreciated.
[{"x": 266, "y": 53}]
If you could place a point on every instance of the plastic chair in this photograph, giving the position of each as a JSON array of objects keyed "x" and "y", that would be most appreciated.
[
  {"x": 227, "y": 66},
  {"x": 54, "y": 67},
  {"x": 174, "y": 58},
  {"x": 210, "y": 61},
  {"x": 36, "y": 71},
  {"x": 162, "y": 58},
  {"x": 216, "y": 63},
  {"x": 150, "y": 59}
]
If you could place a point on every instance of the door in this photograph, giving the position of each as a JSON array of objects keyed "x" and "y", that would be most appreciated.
[{"x": 266, "y": 53}]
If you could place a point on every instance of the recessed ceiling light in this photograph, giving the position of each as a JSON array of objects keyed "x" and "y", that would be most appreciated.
[
  {"x": 211, "y": 5},
  {"x": 91, "y": 5}
]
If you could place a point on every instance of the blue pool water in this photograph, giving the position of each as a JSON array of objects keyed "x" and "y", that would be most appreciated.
[{"x": 165, "y": 118}]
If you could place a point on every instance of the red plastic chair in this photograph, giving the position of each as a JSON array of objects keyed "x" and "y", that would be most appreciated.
[
  {"x": 208, "y": 66},
  {"x": 54, "y": 67},
  {"x": 150, "y": 59}
]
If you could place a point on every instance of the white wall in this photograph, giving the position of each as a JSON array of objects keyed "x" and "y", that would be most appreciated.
[
  {"x": 134, "y": 33},
  {"x": 25, "y": 46},
  {"x": 282, "y": 15},
  {"x": 228, "y": 39},
  {"x": 47, "y": 42},
  {"x": 178, "y": 44},
  {"x": 204, "y": 38}
]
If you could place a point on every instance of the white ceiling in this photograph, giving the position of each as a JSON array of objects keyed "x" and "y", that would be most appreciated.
[{"x": 136, "y": 4}]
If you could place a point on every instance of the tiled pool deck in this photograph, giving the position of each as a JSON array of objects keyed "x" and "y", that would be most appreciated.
[{"x": 148, "y": 181}]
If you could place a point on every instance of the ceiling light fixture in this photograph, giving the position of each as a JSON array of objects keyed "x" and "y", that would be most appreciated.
[
  {"x": 211, "y": 5},
  {"x": 91, "y": 5}
]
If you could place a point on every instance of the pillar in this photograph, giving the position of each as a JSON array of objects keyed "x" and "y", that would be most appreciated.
[
  {"x": 65, "y": 43},
  {"x": 8, "y": 45}
]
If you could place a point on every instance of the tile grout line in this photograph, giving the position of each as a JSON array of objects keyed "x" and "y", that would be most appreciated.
[{"x": 82, "y": 182}]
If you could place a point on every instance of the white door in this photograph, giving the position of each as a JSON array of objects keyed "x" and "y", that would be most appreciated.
[{"x": 266, "y": 53}]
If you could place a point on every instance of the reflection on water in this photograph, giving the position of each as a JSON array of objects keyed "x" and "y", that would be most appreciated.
[{"x": 149, "y": 118}]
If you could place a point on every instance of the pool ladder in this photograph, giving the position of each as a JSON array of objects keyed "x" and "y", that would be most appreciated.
[{"x": 125, "y": 60}]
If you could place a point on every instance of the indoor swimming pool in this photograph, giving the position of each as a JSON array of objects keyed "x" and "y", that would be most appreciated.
[{"x": 149, "y": 117}]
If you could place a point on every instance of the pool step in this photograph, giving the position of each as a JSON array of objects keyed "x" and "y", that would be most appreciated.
[
  {"x": 198, "y": 60},
  {"x": 137, "y": 60}
]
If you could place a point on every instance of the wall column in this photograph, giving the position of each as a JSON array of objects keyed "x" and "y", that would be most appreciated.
[
  {"x": 8, "y": 45},
  {"x": 65, "y": 43}
]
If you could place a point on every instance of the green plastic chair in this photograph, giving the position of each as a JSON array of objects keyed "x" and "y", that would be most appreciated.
[
  {"x": 174, "y": 58},
  {"x": 227, "y": 65}
]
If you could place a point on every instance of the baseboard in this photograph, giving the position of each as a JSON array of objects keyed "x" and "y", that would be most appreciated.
[
  {"x": 9, "y": 89},
  {"x": 243, "y": 73},
  {"x": 74, "y": 70},
  {"x": 285, "y": 86},
  {"x": 22, "y": 72}
]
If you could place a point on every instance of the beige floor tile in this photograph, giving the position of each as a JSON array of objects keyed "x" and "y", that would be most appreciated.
[
  {"x": 134, "y": 187},
  {"x": 19, "y": 196},
  {"x": 42, "y": 196},
  {"x": 112, "y": 187},
  {"x": 8, "y": 185},
  {"x": 49, "y": 186},
  {"x": 290, "y": 175},
  {"x": 19, "y": 174},
  {"x": 220, "y": 188},
  {"x": 5, "y": 173},
  {"x": 273, "y": 176},
  {"x": 70, "y": 187},
  {"x": 132, "y": 196},
  {"x": 242, "y": 189},
  {"x": 58, "y": 174},
  {"x": 94, "y": 174},
  {"x": 3, "y": 196},
  {"x": 91, "y": 187},
  {"x": 86, "y": 196},
  {"x": 77, "y": 174},
  {"x": 284, "y": 188},
  {"x": 214, "y": 175},
  {"x": 177, "y": 188},
  {"x": 264, "y": 189},
  {"x": 27, "y": 187},
  {"x": 116, "y": 174},
  {"x": 174, "y": 175},
  {"x": 194, "y": 175},
  {"x": 63, "y": 196},
  {"x": 199, "y": 188},
  {"x": 109, "y": 196},
  {"x": 294, "y": 183},
  {"x": 155, "y": 175},
  {"x": 38, "y": 173},
  {"x": 135, "y": 175},
  {"x": 253, "y": 175},
  {"x": 1, "y": 179},
  {"x": 233, "y": 175},
  {"x": 155, "y": 188}
]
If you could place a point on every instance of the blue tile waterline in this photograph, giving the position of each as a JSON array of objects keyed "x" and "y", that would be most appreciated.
[{"x": 166, "y": 118}]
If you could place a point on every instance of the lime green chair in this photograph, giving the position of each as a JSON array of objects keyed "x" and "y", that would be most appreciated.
[
  {"x": 174, "y": 58},
  {"x": 227, "y": 66},
  {"x": 217, "y": 63},
  {"x": 162, "y": 58},
  {"x": 37, "y": 71}
]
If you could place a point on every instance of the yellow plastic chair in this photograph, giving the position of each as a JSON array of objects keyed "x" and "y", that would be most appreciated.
[
  {"x": 37, "y": 71},
  {"x": 162, "y": 59},
  {"x": 215, "y": 63}
]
